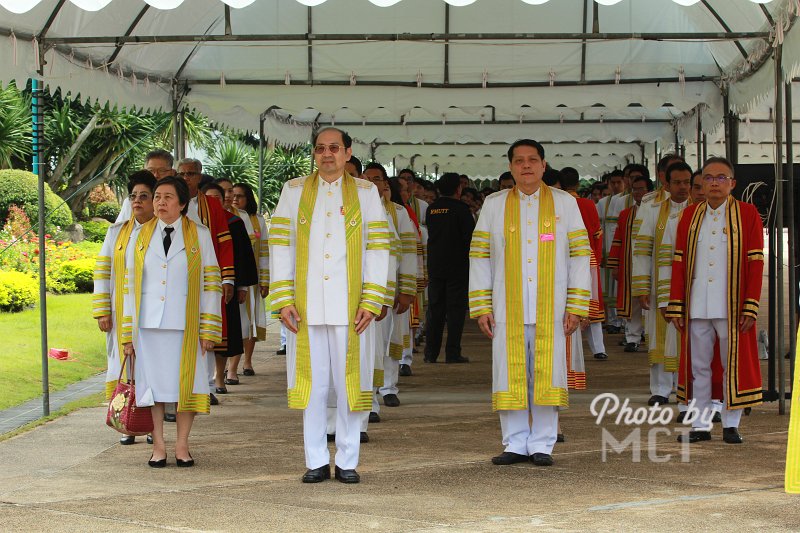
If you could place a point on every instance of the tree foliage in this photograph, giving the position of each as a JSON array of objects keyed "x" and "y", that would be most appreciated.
[{"x": 15, "y": 127}]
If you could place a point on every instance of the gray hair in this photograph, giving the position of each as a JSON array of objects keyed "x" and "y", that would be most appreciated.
[{"x": 191, "y": 161}]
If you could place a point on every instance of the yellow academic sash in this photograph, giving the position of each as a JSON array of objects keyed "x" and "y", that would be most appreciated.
[{"x": 792, "y": 480}]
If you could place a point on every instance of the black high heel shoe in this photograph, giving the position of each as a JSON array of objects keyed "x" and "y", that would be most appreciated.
[
  {"x": 161, "y": 463},
  {"x": 185, "y": 464}
]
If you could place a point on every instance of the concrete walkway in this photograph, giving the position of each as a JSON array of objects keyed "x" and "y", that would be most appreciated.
[{"x": 426, "y": 468}]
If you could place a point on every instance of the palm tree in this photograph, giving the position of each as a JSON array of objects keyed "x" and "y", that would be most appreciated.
[{"x": 15, "y": 127}]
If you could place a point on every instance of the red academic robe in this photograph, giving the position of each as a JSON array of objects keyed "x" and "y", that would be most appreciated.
[
  {"x": 620, "y": 257},
  {"x": 592, "y": 222},
  {"x": 745, "y": 269},
  {"x": 215, "y": 218}
]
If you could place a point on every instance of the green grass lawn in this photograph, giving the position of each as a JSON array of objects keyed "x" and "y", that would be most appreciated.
[{"x": 71, "y": 326}]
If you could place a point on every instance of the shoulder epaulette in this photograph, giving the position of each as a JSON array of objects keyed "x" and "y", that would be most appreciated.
[
  {"x": 297, "y": 182},
  {"x": 363, "y": 184}
]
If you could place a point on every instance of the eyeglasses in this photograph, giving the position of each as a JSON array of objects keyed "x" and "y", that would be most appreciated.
[
  {"x": 708, "y": 178},
  {"x": 159, "y": 171},
  {"x": 188, "y": 173},
  {"x": 332, "y": 148},
  {"x": 142, "y": 197}
]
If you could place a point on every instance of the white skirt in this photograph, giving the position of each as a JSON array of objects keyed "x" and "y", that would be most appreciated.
[{"x": 158, "y": 367}]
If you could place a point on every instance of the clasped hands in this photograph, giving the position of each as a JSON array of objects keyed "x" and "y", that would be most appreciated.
[
  {"x": 290, "y": 318},
  {"x": 570, "y": 323}
]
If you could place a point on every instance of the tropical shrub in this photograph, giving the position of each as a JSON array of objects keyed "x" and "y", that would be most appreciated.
[
  {"x": 107, "y": 210},
  {"x": 95, "y": 230},
  {"x": 17, "y": 291},
  {"x": 74, "y": 276},
  {"x": 20, "y": 188}
]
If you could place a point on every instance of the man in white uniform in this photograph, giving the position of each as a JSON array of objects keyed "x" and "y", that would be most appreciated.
[
  {"x": 529, "y": 284},
  {"x": 608, "y": 223},
  {"x": 329, "y": 261}
]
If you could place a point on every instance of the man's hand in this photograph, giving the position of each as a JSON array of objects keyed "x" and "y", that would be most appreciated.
[
  {"x": 571, "y": 323},
  {"x": 745, "y": 323},
  {"x": 402, "y": 303},
  {"x": 227, "y": 292},
  {"x": 104, "y": 323},
  {"x": 663, "y": 311},
  {"x": 486, "y": 323},
  {"x": 207, "y": 346},
  {"x": 290, "y": 318},
  {"x": 645, "y": 302},
  {"x": 584, "y": 323},
  {"x": 384, "y": 312},
  {"x": 678, "y": 323},
  {"x": 363, "y": 318},
  {"x": 127, "y": 349},
  {"x": 241, "y": 295},
  {"x": 264, "y": 291}
]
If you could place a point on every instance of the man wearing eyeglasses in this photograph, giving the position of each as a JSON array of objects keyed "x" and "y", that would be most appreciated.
[
  {"x": 716, "y": 285},
  {"x": 329, "y": 260}
]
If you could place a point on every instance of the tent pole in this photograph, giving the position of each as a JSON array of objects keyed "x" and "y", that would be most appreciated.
[
  {"x": 792, "y": 292},
  {"x": 38, "y": 169},
  {"x": 175, "y": 124},
  {"x": 699, "y": 137},
  {"x": 779, "y": 294},
  {"x": 261, "y": 163}
]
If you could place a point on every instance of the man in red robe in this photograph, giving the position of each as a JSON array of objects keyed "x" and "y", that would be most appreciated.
[{"x": 716, "y": 284}]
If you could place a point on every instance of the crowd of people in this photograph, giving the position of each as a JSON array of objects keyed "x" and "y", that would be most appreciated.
[{"x": 362, "y": 268}]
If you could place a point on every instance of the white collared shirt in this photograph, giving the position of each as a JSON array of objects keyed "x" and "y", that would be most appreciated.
[
  {"x": 709, "y": 295},
  {"x": 529, "y": 237}
]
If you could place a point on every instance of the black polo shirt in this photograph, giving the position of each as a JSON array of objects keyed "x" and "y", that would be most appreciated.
[{"x": 450, "y": 226}]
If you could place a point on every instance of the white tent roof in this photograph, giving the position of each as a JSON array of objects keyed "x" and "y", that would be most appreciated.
[{"x": 418, "y": 71}]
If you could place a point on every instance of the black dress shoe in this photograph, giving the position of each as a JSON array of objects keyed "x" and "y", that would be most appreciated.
[
  {"x": 695, "y": 436},
  {"x": 149, "y": 439},
  {"x": 213, "y": 399},
  {"x": 509, "y": 458},
  {"x": 221, "y": 390},
  {"x": 405, "y": 370},
  {"x": 317, "y": 475},
  {"x": 459, "y": 359},
  {"x": 282, "y": 351},
  {"x": 331, "y": 437},
  {"x": 391, "y": 400},
  {"x": 249, "y": 371},
  {"x": 601, "y": 356},
  {"x": 542, "y": 459},
  {"x": 613, "y": 330},
  {"x": 655, "y": 399},
  {"x": 631, "y": 347},
  {"x": 161, "y": 463},
  {"x": 731, "y": 436},
  {"x": 560, "y": 438},
  {"x": 374, "y": 417},
  {"x": 231, "y": 381},
  {"x": 127, "y": 440},
  {"x": 169, "y": 417},
  {"x": 717, "y": 418},
  {"x": 185, "y": 464},
  {"x": 364, "y": 437},
  {"x": 347, "y": 476}
]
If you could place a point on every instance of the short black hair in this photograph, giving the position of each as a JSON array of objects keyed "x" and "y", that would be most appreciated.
[
  {"x": 356, "y": 162},
  {"x": 407, "y": 171},
  {"x": 616, "y": 173},
  {"x": 181, "y": 189},
  {"x": 346, "y": 139},
  {"x": 506, "y": 176},
  {"x": 636, "y": 167},
  {"x": 525, "y": 142},
  {"x": 220, "y": 180},
  {"x": 214, "y": 186},
  {"x": 650, "y": 184},
  {"x": 720, "y": 160},
  {"x": 376, "y": 165},
  {"x": 205, "y": 179},
  {"x": 569, "y": 179},
  {"x": 551, "y": 176},
  {"x": 142, "y": 177},
  {"x": 251, "y": 206},
  {"x": 160, "y": 153},
  {"x": 663, "y": 163},
  {"x": 448, "y": 183},
  {"x": 420, "y": 181},
  {"x": 394, "y": 187},
  {"x": 677, "y": 167}
]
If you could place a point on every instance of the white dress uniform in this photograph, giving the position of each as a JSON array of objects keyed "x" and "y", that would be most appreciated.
[
  {"x": 252, "y": 311},
  {"x": 608, "y": 209},
  {"x": 105, "y": 298},
  {"x": 420, "y": 208},
  {"x": 645, "y": 274},
  {"x": 328, "y": 320},
  {"x": 531, "y": 430},
  {"x": 708, "y": 308},
  {"x": 158, "y": 329}
]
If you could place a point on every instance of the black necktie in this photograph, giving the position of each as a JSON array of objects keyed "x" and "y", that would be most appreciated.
[{"x": 167, "y": 239}]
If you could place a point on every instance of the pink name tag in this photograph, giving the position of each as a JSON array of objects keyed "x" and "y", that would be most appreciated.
[{"x": 544, "y": 237}]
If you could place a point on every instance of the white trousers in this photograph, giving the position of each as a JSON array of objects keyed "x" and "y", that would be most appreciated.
[
  {"x": 702, "y": 335},
  {"x": 532, "y": 430},
  {"x": 408, "y": 353},
  {"x": 634, "y": 326},
  {"x": 595, "y": 338},
  {"x": 391, "y": 373},
  {"x": 328, "y": 357},
  {"x": 661, "y": 381}
]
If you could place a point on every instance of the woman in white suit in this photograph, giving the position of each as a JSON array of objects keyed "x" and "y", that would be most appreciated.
[{"x": 172, "y": 316}]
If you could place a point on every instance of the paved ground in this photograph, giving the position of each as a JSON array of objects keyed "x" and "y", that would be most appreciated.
[{"x": 427, "y": 467}]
